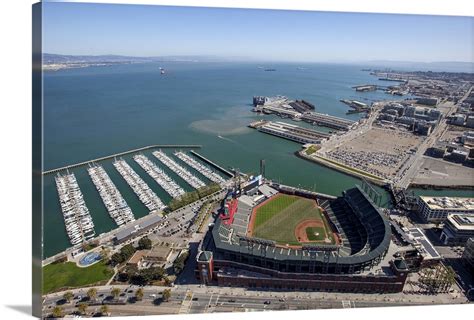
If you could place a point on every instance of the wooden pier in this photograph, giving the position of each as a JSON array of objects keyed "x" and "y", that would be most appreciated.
[{"x": 155, "y": 146}]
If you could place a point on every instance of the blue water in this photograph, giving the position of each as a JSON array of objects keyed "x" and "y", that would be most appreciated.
[{"x": 97, "y": 111}]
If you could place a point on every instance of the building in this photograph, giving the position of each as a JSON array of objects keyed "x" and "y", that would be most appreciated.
[
  {"x": 436, "y": 209},
  {"x": 470, "y": 121},
  {"x": 157, "y": 256},
  {"x": 458, "y": 228},
  {"x": 468, "y": 254},
  {"x": 468, "y": 138},
  {"x": 427, "y": 101},
  {"x": 457, "y": 119},
  {"x": 137, "y": 228},
  {"x": 362, "y": 262}
]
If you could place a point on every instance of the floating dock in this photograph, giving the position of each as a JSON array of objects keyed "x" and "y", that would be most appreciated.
[
  {"x": 141, "y": 189},
  {"x": 114, "y": 202},
  {"x": 163, "y": 180},
  {"x": 77, "y": 219},
  {"x": 184, "y": 174},
  {"x": 204, "y": 170}
]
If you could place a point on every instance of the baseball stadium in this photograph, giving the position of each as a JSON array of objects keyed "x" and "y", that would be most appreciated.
[{"x": 271, "y": 235}]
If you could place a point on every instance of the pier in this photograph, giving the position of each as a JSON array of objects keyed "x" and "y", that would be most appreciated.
[
  {"x": 77, "y": 220},
  {"x": 290, "y": 132},
  {"x": 141, "y": 189},
  {"x": 212, "y": 163},
  {"x": 155, "y": 146},
  {"x": 184, "y": 174},
  {"x": 328, "y": 121},
  {"x": 114, "y": 202},
  {"x": 163, "y": 180},
  {"x": 204, "y": 170}
]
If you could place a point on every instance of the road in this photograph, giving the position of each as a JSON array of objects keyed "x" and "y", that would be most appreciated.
[
  {"x": 200, "y": 299},
  {"x": 409, "y": 170}
]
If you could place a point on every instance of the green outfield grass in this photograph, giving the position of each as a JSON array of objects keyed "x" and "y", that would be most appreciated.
[
  {"x": 277, "y": 219},
  {"x": 67, "y": 275}
]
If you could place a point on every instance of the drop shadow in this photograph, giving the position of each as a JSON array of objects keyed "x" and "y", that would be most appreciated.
[{"x": 25, "y": 309}]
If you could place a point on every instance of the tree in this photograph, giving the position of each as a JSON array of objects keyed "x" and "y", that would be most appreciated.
[
  {"x": 167, "y": 281},
  {"x": 178, "y": 264},
  {"x": 68, "y": 295},
  {"x": 104, "y": 310},
  {"x": 166, "y": 295},
  {"x": 82, "y": 308},
  {"x": 58, "y": 312},
  {"x": 139, "y": 294},
  {"x": 115, "y": 292},
  {"x": 116, "y": 259},
  {"x": 92, "y": 293},
  {"x": 144, "y": 243},
  {"x": 127, "y": 251}
]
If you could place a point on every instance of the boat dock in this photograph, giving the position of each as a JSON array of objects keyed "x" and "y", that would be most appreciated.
[
  {"x": 141, "y": 189},
  {"x": 187, "y": 176},
  {"x": 215, "y": 165},
  {"x": 114, "y": 202},
  {"x": 163, "y": 180},
  {"x": 77, "y": 219},
  {"x": 204, "y": 170},
  {"x": 290, "y": 132},
  {"x": 115, "y": 155},
  {"x": 326, "y": 120}
]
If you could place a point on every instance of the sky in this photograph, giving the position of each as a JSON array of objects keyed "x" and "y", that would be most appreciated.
[{"x": 266, "y": 35}]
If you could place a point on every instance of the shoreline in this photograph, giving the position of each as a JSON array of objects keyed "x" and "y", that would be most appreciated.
[
  {"x": 439, "y": 187},
  {"x": 341, "y": 169}
]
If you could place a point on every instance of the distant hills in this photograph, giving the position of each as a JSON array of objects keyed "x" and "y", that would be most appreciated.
[
  {"x": 59, "y": 61},
  {"x": 50, "y": 58}
]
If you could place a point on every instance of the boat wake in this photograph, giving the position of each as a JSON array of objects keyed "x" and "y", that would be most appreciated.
[{"x": 227, "y": 139}]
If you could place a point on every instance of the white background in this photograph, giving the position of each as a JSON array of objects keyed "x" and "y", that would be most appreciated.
[{"x": 15, "y": 166}]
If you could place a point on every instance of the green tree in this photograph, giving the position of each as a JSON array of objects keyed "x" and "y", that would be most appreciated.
[
  {"x": 167, "y": 281},
  {"x": 144, "y": 243},
  {"x": 104, "y": 310},
  {"x": 82, "y": 308},
  {"x": 58, "y": 312},
  {"x": 116, "y": 258},
  {"x": 92, "y": 293},
  {"x": 68, "y": 295},
  {"x": 115, "y": 292},
  {"x": 139, "y": 294},
  {"x": 166, "y": 295},
  {"x": 127, "y": 251}
]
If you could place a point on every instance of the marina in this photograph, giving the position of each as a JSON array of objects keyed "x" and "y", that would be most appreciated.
[
  {"x": 116, "y": 205},
  {"x": 168, "y": 184},
  {"x": 78, "y": 222},
  {"x": 187, "y": 176},
  {"x": 141, "y": 189},
  {"x": 204, "y": 170}
]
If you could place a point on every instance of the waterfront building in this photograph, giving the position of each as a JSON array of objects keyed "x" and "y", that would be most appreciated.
[
  {"x": 458, "y": 228},
  {"x": 468, "y": 254},
  {"x": 436, "y": 209}
]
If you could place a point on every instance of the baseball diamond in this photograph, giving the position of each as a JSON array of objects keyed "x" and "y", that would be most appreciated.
[{"x": 285, "y": 219}]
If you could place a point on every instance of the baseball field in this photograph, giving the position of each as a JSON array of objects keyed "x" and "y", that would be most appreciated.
[{"x": 290, "y": 220}]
